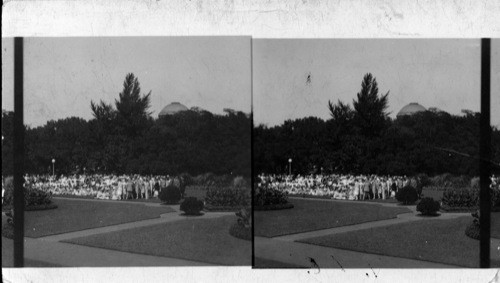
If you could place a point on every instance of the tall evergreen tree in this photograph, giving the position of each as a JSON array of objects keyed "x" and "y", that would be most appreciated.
[
  {"x": 370, "y": 116},
  {"x": 132, "y": 108}
]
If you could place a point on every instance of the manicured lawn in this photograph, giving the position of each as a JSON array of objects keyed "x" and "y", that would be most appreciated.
[
  {"x": 8, "y": 257},
  {"x": 434, "y": 240},
  {"x": 310, "y": 215},
  {"x": 75, "y": 215},
  {"x": 205, "y": 240}
]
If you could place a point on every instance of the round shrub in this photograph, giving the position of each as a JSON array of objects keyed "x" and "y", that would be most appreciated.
[
  {"x": 407, "y": 195},
  {"x": 192, "y": 206},
  {"x": 170, "y": 195},
  {"x": 428, "y": 206},
  {"x": 265, "y": 195},
  {"x": 240, "y": 232},
  {"x": 242, "y": 229},
  {"x": 472, "y": 231},
  {"x": 8, "y": 231}
]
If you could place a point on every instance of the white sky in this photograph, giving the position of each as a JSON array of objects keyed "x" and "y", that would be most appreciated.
[
  {"x": 433, "y": 72},
  {"x": 62, "y": 75}
]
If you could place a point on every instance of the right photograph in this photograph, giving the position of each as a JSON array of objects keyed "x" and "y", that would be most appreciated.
[{"x": 366, "y": 153}]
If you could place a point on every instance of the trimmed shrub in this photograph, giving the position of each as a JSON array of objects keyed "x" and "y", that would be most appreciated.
[
  {"x": 34, "y": 199},
  {"x": 170, "y": 195},
  {"x": 460, "y": 197},
  {"x": 240, "y": 232},
  {"x": 8, "y": 231},
  {"x": 428, "y": 206},
  {"x": 192, "y": 206},
  {"x": 227, "y": 196},
  {"x": 472, "y": 230},
  {"x": 242, "y": 229},
  {"x": 407, "y": 195},
  {"x": 265, "y": 195}
]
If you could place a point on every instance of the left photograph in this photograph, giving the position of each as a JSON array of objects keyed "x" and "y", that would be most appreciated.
[{"x": 137, "y": 151}]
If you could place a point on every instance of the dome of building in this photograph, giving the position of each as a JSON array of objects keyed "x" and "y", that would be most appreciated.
[
  {"x": 411, "y": 109},
  {"x": 172, "y": 108}
]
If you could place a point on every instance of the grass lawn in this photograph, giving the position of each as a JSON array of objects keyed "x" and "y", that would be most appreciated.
[
  {"x": 8, "y": 257},
  {"x": 205, "y": 240},
  {"x": 75, "y": 215},
  {"x": 310, "y": 215},
  {"x": 434, "y": 240}
]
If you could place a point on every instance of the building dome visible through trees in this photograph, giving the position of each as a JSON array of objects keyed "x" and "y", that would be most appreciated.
[
  {"x": 172, "y": 108},
  {"x": 410, "y": 109}
]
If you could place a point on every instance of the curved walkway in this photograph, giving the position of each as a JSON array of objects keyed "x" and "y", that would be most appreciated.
[
  {"x": 51, "y": 250},
  {"x": 285, "y": 248}
]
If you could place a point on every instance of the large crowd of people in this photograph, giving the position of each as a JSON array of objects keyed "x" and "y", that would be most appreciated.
[
  {"x": 346, "y": 187},
  {"x": 100, "y": 186}
]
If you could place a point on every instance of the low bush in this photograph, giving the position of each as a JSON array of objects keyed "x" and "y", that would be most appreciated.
[
  {"x": 428, "y": 206},
  {"x": 34, "y": 199},
  {"x": 407, "y": 195},
  {"x": 242, "y": 229},
  {"x": 170, "y": 195},
  {"x": 240, "y": 232},
  {"x": 192, "y": 206},
  {"x": 265, "y": 195},
  {"x": 461, "y": 197},
  {"x": 227, "y": 196},
  {"x": 472, "y": 230},
  {"x": 8, "y": 231}
]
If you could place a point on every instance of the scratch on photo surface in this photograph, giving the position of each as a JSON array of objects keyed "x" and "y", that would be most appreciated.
[
  {"x": 314, "y": 264},
  {"x": 496, "y": 279},
  {"x": 373, "y": 271},
  {"x": 338, "y": 263}
]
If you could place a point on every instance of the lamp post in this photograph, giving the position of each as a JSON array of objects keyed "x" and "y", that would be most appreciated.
[
  {"x": 289, "y": 166},
  {"x": 53, "y": 162}
]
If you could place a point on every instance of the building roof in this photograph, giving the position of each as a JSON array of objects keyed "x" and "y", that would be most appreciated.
[
  {"x": 411, "y": 109},
  {"x": 172, "y": 108}
]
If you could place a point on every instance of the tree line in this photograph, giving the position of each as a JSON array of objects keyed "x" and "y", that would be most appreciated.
[
  {"x": 363, "y": 139},
  {"x": 124, "y": 138}
]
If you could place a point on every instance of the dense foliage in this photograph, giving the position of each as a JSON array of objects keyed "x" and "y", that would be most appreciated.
[
  {"x": 191, "y": 206},
  {"x": 227, "y": 196},
  {"x": 407, "y": 195},
  {"x": 265, "y": 195},
  {"x": 170, "y": 194},
  {"x": 363, "y": 140},
  {"x": 461, "y": 197},
  {"x": 124, "y": 138},
  {"x": 34, "y": 199},
  {"x": 428, "y": 206}
]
